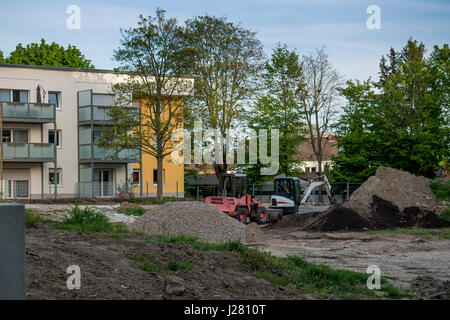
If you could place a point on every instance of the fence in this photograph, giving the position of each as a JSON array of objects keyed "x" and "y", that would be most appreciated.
[{"x": 341, "y": 191}]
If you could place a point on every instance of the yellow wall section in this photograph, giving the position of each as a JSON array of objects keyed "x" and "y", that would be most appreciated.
[{"x": 173, "y": 173}]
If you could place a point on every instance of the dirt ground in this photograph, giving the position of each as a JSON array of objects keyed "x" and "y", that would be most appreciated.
[
  {"x": 106, "y": 272},
  {"x": 397, "y": 255}
]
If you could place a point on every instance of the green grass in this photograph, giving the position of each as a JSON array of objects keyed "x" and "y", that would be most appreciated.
[
  {"x": 148, "y": 263},
  {"x": 83, "y": 220},
  {"x": 318, "y": 280},
  {"x": 441, "y": 188},
  {"x": 135, "y": 211},
  {"x": 442, "y": 233}
]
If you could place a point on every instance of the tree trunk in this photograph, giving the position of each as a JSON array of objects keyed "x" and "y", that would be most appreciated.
[
  {"x": 159, "y": 168},
  {"x": 220, "y": 169},
  {"x": 320, "y": 198}
]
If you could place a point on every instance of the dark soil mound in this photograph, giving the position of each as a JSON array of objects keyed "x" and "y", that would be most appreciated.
[
  {"x": 338, "y": 218},
  {"x": 335, "y": 219},
  {"x": 385, "y": 215}
]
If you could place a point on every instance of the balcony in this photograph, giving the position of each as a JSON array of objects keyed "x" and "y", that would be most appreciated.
[
  {"x": 97, "y": 115},
  {"x": 28, "y": 112},
  {"x": 28, "y": 152},
  {"x": 101, "y": 154}
]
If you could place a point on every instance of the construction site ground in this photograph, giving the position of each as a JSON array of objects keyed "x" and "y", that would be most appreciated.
[
  {"x": 408, "y": 259},
  {"x": 402, "y": 256}
]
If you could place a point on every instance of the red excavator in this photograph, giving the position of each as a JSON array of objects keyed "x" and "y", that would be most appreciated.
[{"x": 235, "y": 202}]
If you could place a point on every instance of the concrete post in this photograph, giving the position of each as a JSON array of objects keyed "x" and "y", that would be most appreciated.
[{"x": 12, "y": 251}]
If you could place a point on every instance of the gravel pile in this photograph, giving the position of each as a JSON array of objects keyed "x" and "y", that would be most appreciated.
[{"x": 191, "y": 218}]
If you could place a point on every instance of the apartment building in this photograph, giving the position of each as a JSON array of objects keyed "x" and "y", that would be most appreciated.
[{"x": 51, "y": 122}]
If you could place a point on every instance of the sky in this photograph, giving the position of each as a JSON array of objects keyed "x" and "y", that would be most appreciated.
[{"x": 338, "y": 25}]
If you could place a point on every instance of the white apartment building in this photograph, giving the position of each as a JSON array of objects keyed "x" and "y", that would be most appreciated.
[{"x": 37, "y": 100}]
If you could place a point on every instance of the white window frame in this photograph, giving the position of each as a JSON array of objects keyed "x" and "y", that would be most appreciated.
[
  {"x": 139, "y": 173},
  {"x": 58, "y": 138},
  {"x": 58, "y": 99},
  {"x": 58, "y": 173}
]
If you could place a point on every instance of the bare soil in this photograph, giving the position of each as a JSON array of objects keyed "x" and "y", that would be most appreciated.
[
  {"x": 107, "y": 272},
  {"x": 397, "y": 255}
]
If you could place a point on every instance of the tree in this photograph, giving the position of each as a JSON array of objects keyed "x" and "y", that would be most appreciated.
[
  {"x": 227, "y": 61},
  {"x": 278, "y": 107},
  {"x": 153, "y": 57},
  {"x": 45, "y": 54},
  {"x": 319, "y": 102},
  {"x": 407, "y": 123},
  {"x": 2, "y": 59}
]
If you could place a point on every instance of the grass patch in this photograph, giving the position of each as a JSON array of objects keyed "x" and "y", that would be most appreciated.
[
  {"x": 442, "y": 233},
  {"x": 134, "y": 211},
  {"x": 148, "y": 263},
  {"x": 83, "y": 220},
  {"x": 32, "y": 219},
  {"x": 446, "y": 215},
  {"x": 161, "y": 201},
  {"x": 441, "y": 188},
  {"x": 319, "y": 280}
]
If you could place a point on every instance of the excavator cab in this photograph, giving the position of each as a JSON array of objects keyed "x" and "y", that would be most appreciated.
[{"x": 287, "y": 194}]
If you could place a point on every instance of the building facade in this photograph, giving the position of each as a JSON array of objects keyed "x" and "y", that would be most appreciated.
[{"x": 52, "y": 119}]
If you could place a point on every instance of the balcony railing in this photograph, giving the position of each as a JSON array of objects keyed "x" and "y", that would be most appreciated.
[
  {"x": 101, "y": 153},
  {"x": 40, "y": 152},
  {"x": 99, "y": 114},
  {"x": 28, "y": 112}
]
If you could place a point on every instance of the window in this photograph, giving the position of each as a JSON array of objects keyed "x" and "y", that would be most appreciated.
[
  {"x": 313, "y": 169},
  {"x": 6, "y": 136},
  {"x": 51, "y": 137},
  {"x": 136, "y": 177},
  {"x": 51, "y": 177},
  {"x": 155, "y": 177},
  {"x": 327, "y": 167},
  {"x": 20, "y": 96},
  {"x": 96, "y": 136},
  {"x": 307, "y": 169},
  {"x": 53, "y": 98},
  {"x": 20, "y": 136},
  {"x": 5, "y": 95}
]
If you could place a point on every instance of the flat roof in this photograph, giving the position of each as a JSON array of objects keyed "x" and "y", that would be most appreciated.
[{"x": 32, "y": 66}]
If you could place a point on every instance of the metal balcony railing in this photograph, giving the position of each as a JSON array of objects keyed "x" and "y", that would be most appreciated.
[
  {"x": 28, "y": 112},
  {"x": 101, "y": 153},
  {"x": 40, "y": 152}
]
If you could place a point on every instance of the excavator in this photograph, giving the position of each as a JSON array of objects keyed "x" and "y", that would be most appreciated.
[{"x": 288, "y": 196}]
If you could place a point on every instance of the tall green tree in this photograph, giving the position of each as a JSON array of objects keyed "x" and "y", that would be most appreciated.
[
  {"x": 279, "y": 108},
  {"x": 2, "y": 59},
  {"x": 227, "y": 61},
  {"x": 406, "y": 125},
  {"x": 154, "y": 59},
  {"x": 45, "y": 54}
]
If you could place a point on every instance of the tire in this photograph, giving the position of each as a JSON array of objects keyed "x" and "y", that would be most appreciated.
[
  {"x": 242, "y": 215},
  {"x": 261, "y": 215}
]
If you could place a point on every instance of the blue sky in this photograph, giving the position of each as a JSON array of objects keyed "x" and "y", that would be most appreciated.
[{"x": 339, "y": 25}]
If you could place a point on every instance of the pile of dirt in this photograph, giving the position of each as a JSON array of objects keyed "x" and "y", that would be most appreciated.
[
  {"x": 338, "y": 218},
  {"x": 400, "y": 188},
  {"x": 389, "y": 199},
  {"x": 192, "y": 218}
]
